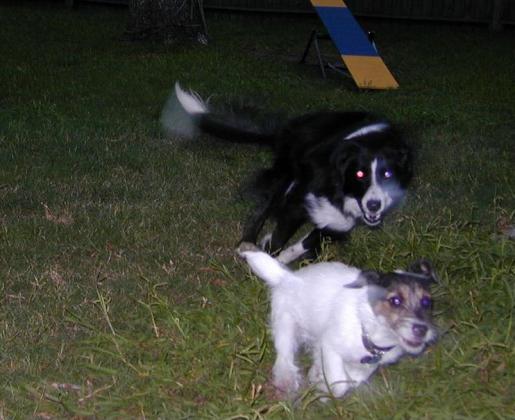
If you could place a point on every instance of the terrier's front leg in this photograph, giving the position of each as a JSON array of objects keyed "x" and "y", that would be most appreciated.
[
  {"x": 286, "y": 376},
  {"x": 329, "y": 375}
]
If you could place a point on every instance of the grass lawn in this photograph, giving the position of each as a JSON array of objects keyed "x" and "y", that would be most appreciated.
[{"x": 120, "y": 293}]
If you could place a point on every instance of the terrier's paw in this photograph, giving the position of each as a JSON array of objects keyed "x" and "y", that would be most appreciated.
[
  {"x": 315, "y": 375},
  {"x": 287, "y": 380},
  {"x": 287, "y": 386}
]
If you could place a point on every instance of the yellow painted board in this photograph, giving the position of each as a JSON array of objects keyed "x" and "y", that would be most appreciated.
[
  {"x": 328, "y": 3},
  {"x": 369, "y": 72}
]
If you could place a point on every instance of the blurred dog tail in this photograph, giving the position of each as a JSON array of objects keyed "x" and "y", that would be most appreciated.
[
  {"x": 186, "y": 115},
  {"x": 267, "y": 268}
]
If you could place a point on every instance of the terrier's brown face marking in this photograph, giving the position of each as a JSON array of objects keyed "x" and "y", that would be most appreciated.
[
  {"x": 407, "y": 309},
  {"x": 405, "y": 300}
]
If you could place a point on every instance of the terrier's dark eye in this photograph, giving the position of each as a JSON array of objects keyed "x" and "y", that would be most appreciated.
[
  {"x": 360, "y": 174},
  {"x": 395, "y": 301},
  {"x": 387, "y": 174},
  {"x": 426, "y": 302}
]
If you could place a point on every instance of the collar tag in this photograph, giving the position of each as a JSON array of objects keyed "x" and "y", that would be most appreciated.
[
  {"x": 371, "y": 360},
  {"x": 376, "y": 352}
]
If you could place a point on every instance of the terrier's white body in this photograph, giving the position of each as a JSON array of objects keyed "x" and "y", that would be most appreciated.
[{"x": 326, "y": 308}]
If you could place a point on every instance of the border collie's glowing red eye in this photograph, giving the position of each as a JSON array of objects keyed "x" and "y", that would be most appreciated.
[{"x": 360, "y": 174}]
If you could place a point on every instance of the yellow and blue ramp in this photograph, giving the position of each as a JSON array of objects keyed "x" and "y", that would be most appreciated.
[{"x": 357, "y": 52}]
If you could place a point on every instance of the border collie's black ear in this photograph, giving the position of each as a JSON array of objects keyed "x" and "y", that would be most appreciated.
[
  {"x": 340, "y": 160},
  {"x": 365, "y": 278},
  {"x": 404, "y": 161},
  {"x": 405, "y": 155},
  {"x": 424, "y": 267}
]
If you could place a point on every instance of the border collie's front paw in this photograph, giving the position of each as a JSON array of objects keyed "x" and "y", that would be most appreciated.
[
  {"x": 246, "y": 246},
  {"x": 265, "y": 242}
]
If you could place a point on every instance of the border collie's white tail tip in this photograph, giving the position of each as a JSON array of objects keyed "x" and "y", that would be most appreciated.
[
  {"x": 191, "y": 102},
  {"x": 180, "y": 114}
]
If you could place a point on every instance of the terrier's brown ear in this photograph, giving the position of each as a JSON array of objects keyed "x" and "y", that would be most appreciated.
[
  {"x": 365, "y": 278},
  {"x": 375, "y": 283},
  {"x": 424, "y": 267}
]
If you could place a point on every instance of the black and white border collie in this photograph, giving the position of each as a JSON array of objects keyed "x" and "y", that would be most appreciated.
[{"x": 333, "y": 169}]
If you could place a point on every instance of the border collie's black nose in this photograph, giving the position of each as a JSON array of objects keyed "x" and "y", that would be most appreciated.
[
  {"x": 373, "y": 205},
  {"x": 419, "y": 330}
]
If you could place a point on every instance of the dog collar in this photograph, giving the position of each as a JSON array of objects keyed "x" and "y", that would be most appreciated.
[{"x": 376, "y": 352}]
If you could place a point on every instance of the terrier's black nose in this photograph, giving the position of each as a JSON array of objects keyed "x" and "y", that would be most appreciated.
[
  {"x": 373, "y": 205},
  {"x": 419, "y": 330}
]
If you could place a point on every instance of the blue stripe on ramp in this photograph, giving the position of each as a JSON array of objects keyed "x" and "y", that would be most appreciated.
[{"x": 345, "y": 31}]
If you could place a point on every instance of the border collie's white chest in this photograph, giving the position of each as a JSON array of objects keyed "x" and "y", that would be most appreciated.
[{"x": 326, "y": 216}]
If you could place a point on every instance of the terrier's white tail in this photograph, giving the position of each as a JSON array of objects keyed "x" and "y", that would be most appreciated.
[{"x": 267, "y": 268}]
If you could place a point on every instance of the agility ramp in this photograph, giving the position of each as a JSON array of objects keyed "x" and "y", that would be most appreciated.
[{"x": 357, "y": 52}]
